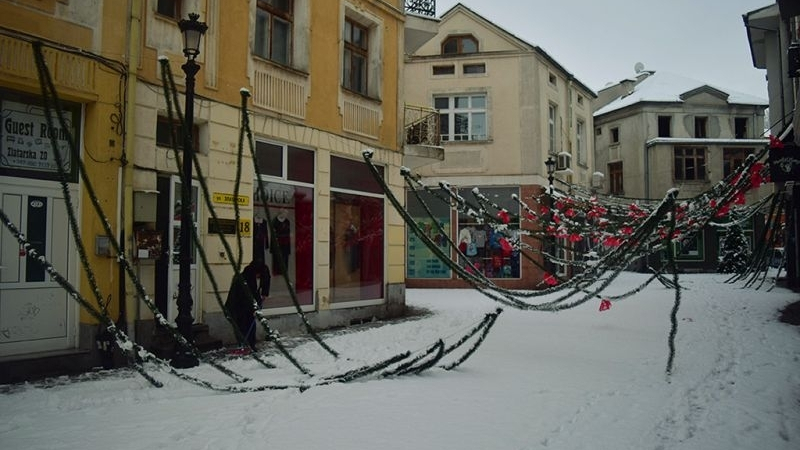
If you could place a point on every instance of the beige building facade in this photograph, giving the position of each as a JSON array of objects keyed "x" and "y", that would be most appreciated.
[{"x": 504, "y": 106}]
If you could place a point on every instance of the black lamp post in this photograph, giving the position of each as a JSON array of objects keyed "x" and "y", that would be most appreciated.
[
  {"x": 192, "y": 34},
  {"x": 550, "y": 163}
]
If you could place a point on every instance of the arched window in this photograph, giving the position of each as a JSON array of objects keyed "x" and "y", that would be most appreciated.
[{"x": 456, "y": 45}]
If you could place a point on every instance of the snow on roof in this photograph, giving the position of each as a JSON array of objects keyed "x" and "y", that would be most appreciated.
[{"x": 669, "y": 88}]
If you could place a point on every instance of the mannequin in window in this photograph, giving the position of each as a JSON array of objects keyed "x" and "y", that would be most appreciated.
[
  {"x": 260, "y": 238},
  {"x": 282, "y": 242},
  {"x": 352, "y": 248}
]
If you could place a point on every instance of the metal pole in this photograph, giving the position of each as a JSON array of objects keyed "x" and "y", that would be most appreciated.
[{"x": 184, "y": 357}]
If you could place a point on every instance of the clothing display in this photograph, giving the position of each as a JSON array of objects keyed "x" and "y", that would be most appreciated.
[{"x": 282, "y": 243}]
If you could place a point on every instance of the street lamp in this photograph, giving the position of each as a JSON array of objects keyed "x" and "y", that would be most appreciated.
[
  {"x": 550, "y": 163},
  {"x": 192, "y": 34}
]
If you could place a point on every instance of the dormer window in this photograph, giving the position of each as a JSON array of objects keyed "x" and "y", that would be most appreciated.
[{"x": 457, "y": 45}]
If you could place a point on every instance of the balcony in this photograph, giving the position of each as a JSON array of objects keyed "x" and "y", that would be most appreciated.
[
  {"x": 421, "y": 7},
  {"x": 421, "y": 24},
  {"x": 423, "y": 143}
]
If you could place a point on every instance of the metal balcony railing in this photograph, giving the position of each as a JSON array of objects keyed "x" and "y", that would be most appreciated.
[
  {"x": 423, "y": 7},
  {"x": 422, "y": 126}
]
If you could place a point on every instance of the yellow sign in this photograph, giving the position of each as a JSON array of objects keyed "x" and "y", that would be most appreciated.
[
  {"x": 245, "y": 228},
  {"x": 220, "y": 197}
]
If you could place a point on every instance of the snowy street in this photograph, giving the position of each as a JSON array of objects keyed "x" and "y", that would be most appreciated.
[{"x": 577, "y": 379}]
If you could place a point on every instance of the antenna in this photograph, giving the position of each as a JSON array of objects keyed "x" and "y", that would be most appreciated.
[{"x": 638, "y": 67}]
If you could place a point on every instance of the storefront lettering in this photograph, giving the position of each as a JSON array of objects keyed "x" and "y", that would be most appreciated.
[
  {"x": 20, "y": 128},
  {"x": 275, "y": 196},
  {"x": 29, "y": 142}
]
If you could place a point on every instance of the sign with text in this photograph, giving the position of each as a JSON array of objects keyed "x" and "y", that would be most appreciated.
[
  {"x": 226, "y": 198},
  {"x": 27, "y": 142},
  {"x": 784, "y": 163},
  {"x": 229, "y": 226}
]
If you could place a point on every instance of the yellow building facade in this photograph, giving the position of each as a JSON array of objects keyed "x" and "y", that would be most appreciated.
[{"x": 324, "y": 85}]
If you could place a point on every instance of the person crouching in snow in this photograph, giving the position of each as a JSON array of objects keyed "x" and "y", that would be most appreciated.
[{"x": 256, "y": 278}]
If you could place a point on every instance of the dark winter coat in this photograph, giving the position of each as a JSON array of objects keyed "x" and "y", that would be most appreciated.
[{"x": 239, "y": 304}]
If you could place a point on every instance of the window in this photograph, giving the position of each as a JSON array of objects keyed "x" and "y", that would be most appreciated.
[
  {"x": 482, "y": 244},
  {"x": 273, "y": 36},
  {"x": 740, "y": 128},
  {"x": 564, "y": 160},
  {"x": 552, "y": 114},
  {"x": 457, "y": 45},
  {"x": 580, "y": 99},
  {"x": 615, "y": 135},
  {"x": 598, "y": 131},
  {"x": 615, "y": 178},
  {"x": 462, "y": 117},
  {"x": 552, "y": 80},
  {"x": 444, "y": 70},
  {"x": 432, "y": 215},
  {"x": 169, "y": 8},
  {"x": 664, "y": 126},
  {"x": 690, "y": 249},
  {"x": 580, "y": 141},
  {"x": 356, "y": 56},
  {"x": 690, "y": 163},
  {"x": 474, "y": 68},
  {"x": 732, "y": 158},
  {"x": 700, "y": 127},
  {"x": 287, "y": 241},
  {"x": 164, "y": 134},
  {"x": 356, "y": 233}
]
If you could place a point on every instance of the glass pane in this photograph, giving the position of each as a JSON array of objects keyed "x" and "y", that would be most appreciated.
[
  {"x": 441, "y": 102},
  {"x": 270, "y": 159},
  {"x": 300, "y": 165},
  {"x": 37, "y": 235},
  {"x": 444, "y": 126},
  {"x": 359, "y": 37},
  {"x": 461, "y": 102},
  {"x": 354, "y": 175},
  {"x": 450, "y": 46},
  {"x": 479, "y": 101},
  {"x": 478, "y": 126},
  {"x": 282, "y": 5},
  {"x": 461, "y": 123},
  {"x": 356, "y": 247},
  {"x": 348, "y": 31},
  {"x": 346, "y": 77},
  {"x": 281, "y": 37},
  {"x": 261, "y": 39},
  {"x": 360, "y": 74},
  {"x": 468, "y": 45}
]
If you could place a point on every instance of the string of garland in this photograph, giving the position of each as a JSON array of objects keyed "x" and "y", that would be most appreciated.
[
  {"x": 673, "y": 316},
  {"x": 51, "y": 102},
  {"x": 170, "y": 93}
]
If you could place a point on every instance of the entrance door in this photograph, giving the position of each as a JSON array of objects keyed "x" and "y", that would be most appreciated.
[
  {"x": 175, "y": 253},
  {"x": 36, "y": 314}
]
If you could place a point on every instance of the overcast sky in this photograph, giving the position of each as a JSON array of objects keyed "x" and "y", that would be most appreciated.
[{"x": 600, "y": 41}]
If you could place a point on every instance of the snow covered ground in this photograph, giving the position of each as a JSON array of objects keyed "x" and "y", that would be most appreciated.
[{"x": 578, "y": 379}]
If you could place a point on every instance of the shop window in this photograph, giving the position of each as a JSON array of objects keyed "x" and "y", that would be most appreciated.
[
  {"x": 357, "y": 233},
  {"x": 689, "y": 249},
  {"x": 421, "y": 262},
  {"x": 283, "y": 220},
  {"x": 690, "y": 164},
  {"x": 273, "y": 30},
  {"x": 462, "y": 117},
  {"x": 485, "y": 246}
]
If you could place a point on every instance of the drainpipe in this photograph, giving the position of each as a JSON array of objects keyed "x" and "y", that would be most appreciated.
[
  {"x": 647, "y": 170},
  {"x": 126, "y": 284}
]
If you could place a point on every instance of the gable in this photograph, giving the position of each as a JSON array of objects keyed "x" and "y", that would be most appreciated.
[
  {"x": 461, "y": 21},
  {"x": 705, "y": 95}
]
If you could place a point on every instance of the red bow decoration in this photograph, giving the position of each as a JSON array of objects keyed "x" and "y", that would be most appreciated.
[
  {"x": 775, "y": 142},
  {"x": 503, "y": 216},
  {"x": 605, "y": 304},
  {"x": 550, "y": 279}
]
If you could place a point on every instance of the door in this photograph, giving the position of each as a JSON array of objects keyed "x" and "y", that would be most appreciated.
[
  {"x": 174, "y": 233},
  {"x": 36, "y": 314}
]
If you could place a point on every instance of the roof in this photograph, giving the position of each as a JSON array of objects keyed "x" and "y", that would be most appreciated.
[
  {"x": 665, "y": 87},
  {"x": 524, "y": 43}
]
